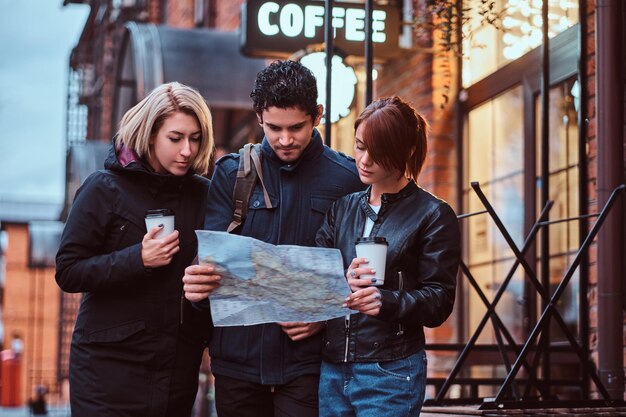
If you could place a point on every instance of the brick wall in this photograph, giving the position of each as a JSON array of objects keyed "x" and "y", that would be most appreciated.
[
  {"x": 592, "y": 176},
  {"x": 154, "y": 11},
  {"x": 180, "y": 13},
  {"x": 592, "y": 161},
  {"x": 227, "y": 14},
  {"x": 111, "y": 42}
]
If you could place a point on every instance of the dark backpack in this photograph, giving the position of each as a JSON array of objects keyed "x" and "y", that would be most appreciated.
[{"x": 249, "y": 158}]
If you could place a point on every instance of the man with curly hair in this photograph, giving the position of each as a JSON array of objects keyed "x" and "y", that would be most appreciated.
[{"x": 273, "y": 369}]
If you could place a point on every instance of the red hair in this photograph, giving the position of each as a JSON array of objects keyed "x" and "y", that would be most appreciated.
[{"x": 395, "y": 136}]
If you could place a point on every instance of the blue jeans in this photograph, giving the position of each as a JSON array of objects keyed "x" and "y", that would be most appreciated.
[{"x": 393, "y": 388}]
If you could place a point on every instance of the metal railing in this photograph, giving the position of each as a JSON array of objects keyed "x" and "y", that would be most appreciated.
[{"x": 513, "y": 356}]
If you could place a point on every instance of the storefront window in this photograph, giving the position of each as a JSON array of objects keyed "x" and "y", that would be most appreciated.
[
  {"x": 563, "y": 185},
  {"x": 495, "y": 159},
  {"x": 494, "y": 146},
  {"x": 518, "y": 29}
]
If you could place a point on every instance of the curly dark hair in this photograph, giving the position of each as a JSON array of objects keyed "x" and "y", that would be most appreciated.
[{"x": 285, "y": 84}]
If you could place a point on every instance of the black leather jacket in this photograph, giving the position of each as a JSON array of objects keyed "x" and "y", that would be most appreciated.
[{"x": 424, "y": 249}]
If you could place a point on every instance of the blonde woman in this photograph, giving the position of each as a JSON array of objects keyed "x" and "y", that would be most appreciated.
[{"x": 137, "y": 344}]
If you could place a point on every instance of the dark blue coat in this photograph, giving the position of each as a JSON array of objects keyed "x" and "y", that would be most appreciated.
[
  {"x": 137, "y": 345},
  {"x": 301, "y": 193}
]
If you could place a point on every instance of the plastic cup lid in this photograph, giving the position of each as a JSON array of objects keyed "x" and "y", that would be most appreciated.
[
  {"x": 372, "y": 239},
  {"x": 159, "y": 213}
]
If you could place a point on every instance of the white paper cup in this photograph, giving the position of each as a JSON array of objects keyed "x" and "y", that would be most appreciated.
[
  {"x": 160, "y": 216},
  {"x": 375, "y": 250}
]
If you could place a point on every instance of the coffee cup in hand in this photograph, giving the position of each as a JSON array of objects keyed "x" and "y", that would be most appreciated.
[
  {"x": 374, "y": 249},
  {"x": 160, "y": 216}
]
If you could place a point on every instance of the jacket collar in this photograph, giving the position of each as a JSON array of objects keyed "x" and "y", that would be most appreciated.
[
  {"x": 385, "y": 199},
  {"x": 406, "y": 191},
  {"x": 126, "y": 162},
  {"x": 313, "y": 150},
  {"x": 126, "y": 157}
]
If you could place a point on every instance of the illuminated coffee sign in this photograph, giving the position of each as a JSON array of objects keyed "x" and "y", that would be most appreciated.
[{"x": 280, "y": 28}]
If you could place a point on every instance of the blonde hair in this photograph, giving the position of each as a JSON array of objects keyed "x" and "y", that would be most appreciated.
[{"x": 144, "y": 120}]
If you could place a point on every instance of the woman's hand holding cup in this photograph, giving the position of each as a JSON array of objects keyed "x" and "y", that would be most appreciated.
[
  {"x": 156, "y": 252},
  {"x": 365, "y": 297},
  {"x": 354, "y": 272}
]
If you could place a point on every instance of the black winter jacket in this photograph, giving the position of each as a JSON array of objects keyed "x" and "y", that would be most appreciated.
[
  {"x": 301, "y": 193},
  {"x": 424, "y": 244},
  {"x": 137, "y": 345}
]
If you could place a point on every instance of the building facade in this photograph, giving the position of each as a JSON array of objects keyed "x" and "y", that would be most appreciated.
[
  {"x": 536, "y": 122},
  {"x": 29, "y": 301}
]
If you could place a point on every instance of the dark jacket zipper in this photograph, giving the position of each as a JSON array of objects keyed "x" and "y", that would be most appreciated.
[{"x": 400, "y": 287}]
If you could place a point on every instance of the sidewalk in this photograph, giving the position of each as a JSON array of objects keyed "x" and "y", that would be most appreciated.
[
  {"x": 14, "y": 411},
  {"x": 458, "y": 411},
  {"x": 25, "y": 412},
  {"x": 465, "y": 411}
]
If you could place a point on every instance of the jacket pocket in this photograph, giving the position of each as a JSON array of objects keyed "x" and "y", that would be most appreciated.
[
  {"x": 231, "y": 344},
  {"x": 114, "y": 334},
  {"x": 321, "y": 204},
  {"x": 122, "y": 233},
  {"x": 261, "y": 222}
]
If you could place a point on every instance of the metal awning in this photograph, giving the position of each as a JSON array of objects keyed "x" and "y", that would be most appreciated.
[{"x": 206, "y": 59}]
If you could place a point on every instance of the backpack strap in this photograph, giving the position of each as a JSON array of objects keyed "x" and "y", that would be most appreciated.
[
  {"x": 256, "y": 158},
  {"x": 249, "y": 157}
]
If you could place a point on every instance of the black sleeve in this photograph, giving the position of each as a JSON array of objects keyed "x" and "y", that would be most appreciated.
[
  {"x": 438, "y": 256},
  {"x": 219, "y": 209},
  {"x": 325, "y": 237},
  {"x": 82, "y": 264}
]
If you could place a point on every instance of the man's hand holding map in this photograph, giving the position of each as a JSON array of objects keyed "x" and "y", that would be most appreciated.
[{"x": 264, "y": 283}]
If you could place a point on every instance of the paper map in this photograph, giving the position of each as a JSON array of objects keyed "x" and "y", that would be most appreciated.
[{"x": 265, "y": 283}]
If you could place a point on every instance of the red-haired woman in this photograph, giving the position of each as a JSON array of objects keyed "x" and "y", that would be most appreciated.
[{"x": 373, "y": 360}]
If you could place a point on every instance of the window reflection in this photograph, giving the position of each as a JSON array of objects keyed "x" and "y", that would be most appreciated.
[
  {"x": 564, "y": 185},
  {"x": 495, "y": 158},
  {"x": 519, "y": 29}
]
